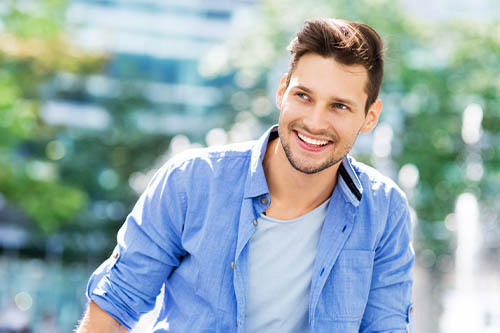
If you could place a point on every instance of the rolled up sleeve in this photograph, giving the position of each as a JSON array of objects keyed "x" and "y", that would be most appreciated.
[
  {"x": 148, "y": 248},
  {"x": 389, "y": 307}
]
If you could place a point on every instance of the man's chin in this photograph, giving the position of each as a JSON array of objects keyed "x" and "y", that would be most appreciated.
[{"x": 312, "y": 169}]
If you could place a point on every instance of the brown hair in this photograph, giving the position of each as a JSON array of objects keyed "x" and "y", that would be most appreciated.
[{"x": 349, "y": 43}]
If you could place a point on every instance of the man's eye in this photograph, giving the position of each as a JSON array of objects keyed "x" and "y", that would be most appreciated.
[
  {"x": 340, "y": 106},
  {"x": 302, "y": 96}
]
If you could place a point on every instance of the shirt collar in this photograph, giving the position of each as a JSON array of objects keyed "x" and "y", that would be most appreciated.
[
  {"x": 256, "y": 184},
  {"x": 349, "y": 182}
]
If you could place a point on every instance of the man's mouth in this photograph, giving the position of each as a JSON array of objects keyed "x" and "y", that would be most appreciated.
[{"x": 311, "y": 141}]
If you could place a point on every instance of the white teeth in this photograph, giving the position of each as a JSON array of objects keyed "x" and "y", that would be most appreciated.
[{"x": 312, "y": 141}]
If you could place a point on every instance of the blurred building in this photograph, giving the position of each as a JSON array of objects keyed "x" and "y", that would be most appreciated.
[{"x": 156, "y": 48}]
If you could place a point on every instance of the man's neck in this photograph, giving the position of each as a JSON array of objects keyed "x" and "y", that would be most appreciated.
[{"x": 294, "y": 193}]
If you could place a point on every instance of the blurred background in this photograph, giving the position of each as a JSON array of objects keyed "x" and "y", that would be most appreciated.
[{"x": 95, "y": 95}]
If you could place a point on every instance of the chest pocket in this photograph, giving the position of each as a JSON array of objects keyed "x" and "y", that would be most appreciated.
[{"x": 346, "y": 290}]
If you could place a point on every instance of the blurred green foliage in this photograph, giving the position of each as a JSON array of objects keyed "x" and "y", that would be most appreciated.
[{"x": 33, "y": 48}]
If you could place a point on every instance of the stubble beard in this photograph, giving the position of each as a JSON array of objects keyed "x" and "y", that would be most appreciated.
[{"x": 332, "y": 160}]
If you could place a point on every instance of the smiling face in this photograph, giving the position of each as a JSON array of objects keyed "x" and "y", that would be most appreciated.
[{"x": 322, "y": 112}]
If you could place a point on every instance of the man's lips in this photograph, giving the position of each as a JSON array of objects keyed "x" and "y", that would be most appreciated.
[
  {"x": 312, "y": 140},
  {"x": 309, "y": 143},
  {"x": 304, "y": 135}
]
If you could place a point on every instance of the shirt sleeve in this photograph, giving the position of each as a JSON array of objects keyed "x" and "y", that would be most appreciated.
[
  {"x": 389, "y": 308},
  {"x": 149, "y": 247}
]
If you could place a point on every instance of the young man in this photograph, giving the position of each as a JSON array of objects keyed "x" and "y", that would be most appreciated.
[{"x": 284, "y": 234}]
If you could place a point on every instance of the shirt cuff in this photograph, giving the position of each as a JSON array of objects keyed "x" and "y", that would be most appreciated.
[{"x": 100, "y": 291}]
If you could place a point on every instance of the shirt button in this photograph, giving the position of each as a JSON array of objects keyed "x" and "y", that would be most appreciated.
[
  {"x": 116, "y": 253},
  {"x": 411, "y": 309},
  {"x": 232, "y": 264},
  {"x": 255, "y": 222},
  {"x": 236, "y": 324},
  {"x": 264, "y": 200}
]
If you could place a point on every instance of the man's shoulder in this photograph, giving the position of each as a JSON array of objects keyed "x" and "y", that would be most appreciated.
[
  {"x": 210, "y": 159},
  {"x": 234, "y": 150},
  {"x": 375, "y": 183}
]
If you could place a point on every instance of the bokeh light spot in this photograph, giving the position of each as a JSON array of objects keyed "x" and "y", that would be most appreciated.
[
  {"x": 23, "y": 301},
  {"x": 382, "y": 140},
  {"x": 55, "y": 150},
  {"x": 471, "y": 126},
  {"x": 179, "y": 143},
  {"x": 216, "y": 137},
  {"x": 262, "y": 106},
  {"x": 408, "y": 176},
  {"x": 108, "y": 179}
]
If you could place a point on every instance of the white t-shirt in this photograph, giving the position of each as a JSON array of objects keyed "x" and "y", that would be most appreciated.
[{"x": 281, "y": 261}]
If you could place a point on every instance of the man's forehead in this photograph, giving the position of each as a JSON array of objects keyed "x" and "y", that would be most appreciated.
[{"x": 325, "y": 74}]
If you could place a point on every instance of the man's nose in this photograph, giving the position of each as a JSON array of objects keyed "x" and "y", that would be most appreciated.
[{"x": 315, "y": 120}]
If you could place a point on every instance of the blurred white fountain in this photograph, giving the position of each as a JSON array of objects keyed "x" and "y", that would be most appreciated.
[
  {"x": 467, "y": 223},
  {"x": 463, "y": 312}
]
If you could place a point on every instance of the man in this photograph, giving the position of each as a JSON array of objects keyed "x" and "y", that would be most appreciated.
[{"x": 284, "y": 234}]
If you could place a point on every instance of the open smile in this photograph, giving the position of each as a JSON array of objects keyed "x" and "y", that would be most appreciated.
[{"x": 311, "y": 143}]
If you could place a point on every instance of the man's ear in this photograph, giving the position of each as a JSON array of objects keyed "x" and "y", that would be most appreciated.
[
  {"x": 281, "y": 90},
  {"x": 371, "y": 118}
]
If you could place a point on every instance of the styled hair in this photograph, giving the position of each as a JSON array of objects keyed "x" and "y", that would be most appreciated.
[{"x": 347, "y": 42}]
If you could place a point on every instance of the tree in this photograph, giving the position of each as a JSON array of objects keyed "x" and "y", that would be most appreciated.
[{"x": 33, "y": 49}]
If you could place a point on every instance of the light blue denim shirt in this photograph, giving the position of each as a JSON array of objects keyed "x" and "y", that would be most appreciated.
[{"x": 191, "y": 228}]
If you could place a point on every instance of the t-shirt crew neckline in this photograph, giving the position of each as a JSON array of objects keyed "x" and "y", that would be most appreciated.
[{"x": 307, "y": 215}]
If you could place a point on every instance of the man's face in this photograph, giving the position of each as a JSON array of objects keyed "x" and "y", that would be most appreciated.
[{"x": 322, "y": 112}]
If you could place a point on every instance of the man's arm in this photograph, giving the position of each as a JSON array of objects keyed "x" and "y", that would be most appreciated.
[
  {"x": 389, "y": 304},
  {"x": 96, "y": 320},
  {"x": 149, "y": 246}
]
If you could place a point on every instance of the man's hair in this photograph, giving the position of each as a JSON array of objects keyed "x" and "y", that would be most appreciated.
[{"x": 347, "y": 42}]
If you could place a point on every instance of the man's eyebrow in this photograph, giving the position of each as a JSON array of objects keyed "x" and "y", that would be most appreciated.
[
  {"x": 344, "y": 101},
  {"x": 333, "y": 98},
  {"x": 304, "y": 88}
]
